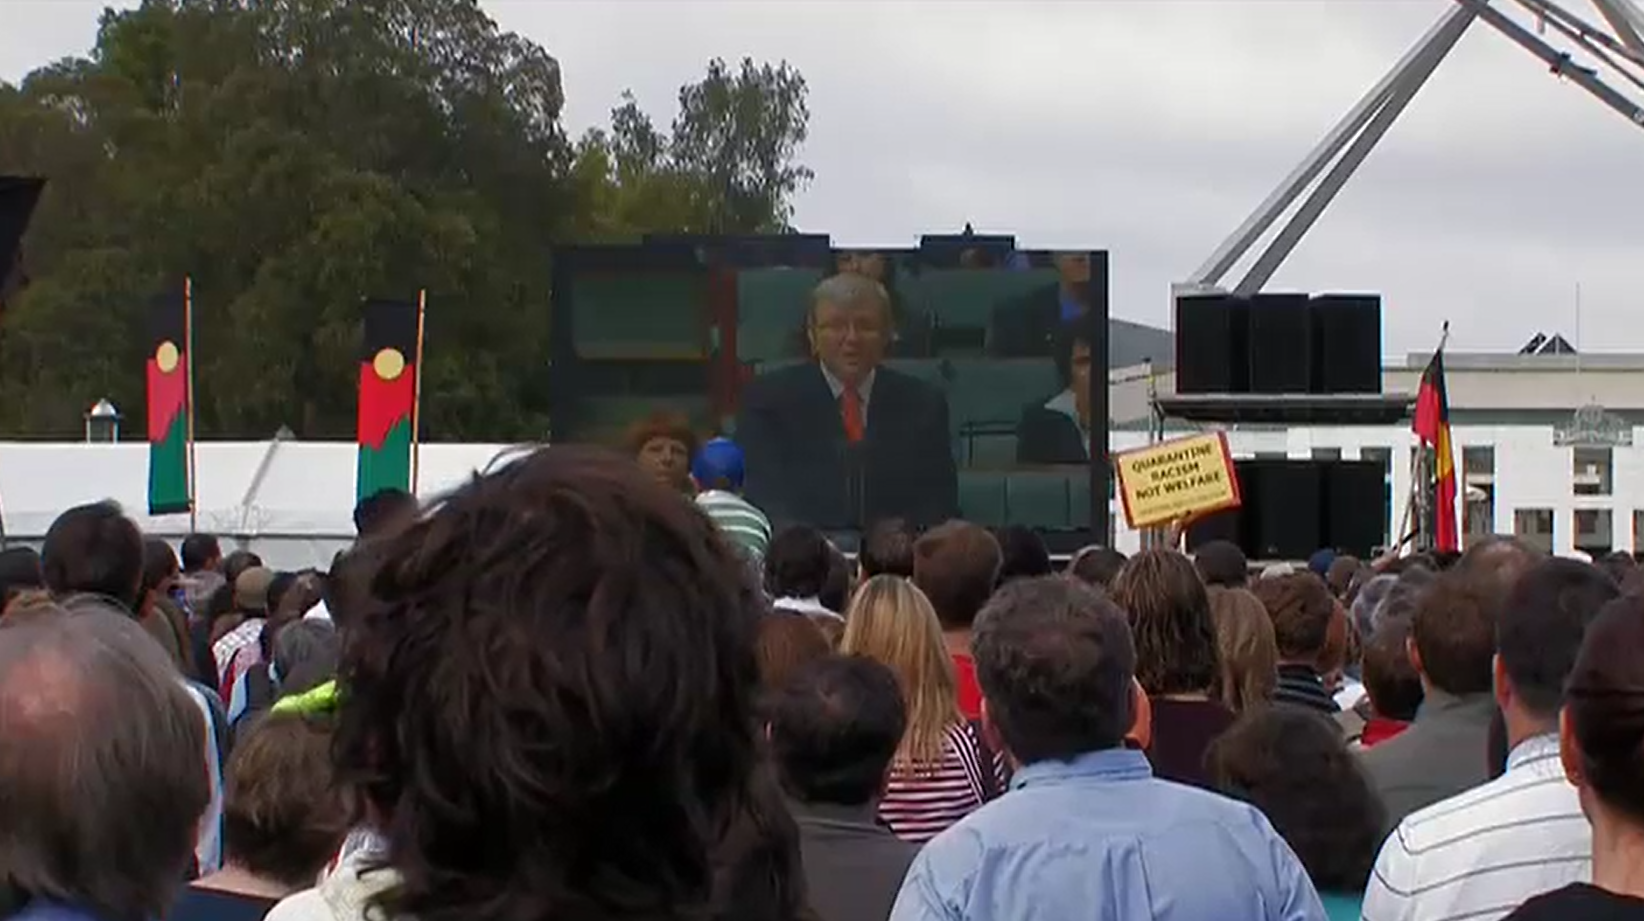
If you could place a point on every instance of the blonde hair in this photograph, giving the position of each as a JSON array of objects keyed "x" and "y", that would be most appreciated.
[
  {"x": 1249, "y": 653},
  {"x": 891, "y": 621}
]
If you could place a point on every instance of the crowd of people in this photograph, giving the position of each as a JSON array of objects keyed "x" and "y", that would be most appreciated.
[{"x": 565, "y": 691}]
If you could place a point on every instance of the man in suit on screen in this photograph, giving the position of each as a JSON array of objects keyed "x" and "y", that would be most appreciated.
[{"x": 842, "y": 441}]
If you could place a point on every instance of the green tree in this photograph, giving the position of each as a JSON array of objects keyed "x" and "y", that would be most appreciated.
[{"x": 726, "y": 165}]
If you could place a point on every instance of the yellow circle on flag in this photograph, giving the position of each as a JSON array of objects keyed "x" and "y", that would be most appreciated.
[
  {"x": 166, "y": 357},
  {"x": 389, "y": 364}
]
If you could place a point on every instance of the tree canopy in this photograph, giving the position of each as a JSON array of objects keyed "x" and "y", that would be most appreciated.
[{"x": 295, "y": 156}]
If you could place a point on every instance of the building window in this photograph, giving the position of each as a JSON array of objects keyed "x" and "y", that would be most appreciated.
[
  {"x": 1594, "y": 531},
  {"x": 1478, "y": 493},
  {"x": 1535, "y": 527},
  {"x": 1592, "y": 471},
  {"x": 1327, "y": 454}
]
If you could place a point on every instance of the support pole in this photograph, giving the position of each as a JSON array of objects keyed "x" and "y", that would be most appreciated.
[
  {"x": 1626, "y": 20},
  {"x": 1558, "y": 61},
  {"x": 188, "y": 368},
  {"x": 416, "y": 395},
  {"x": 1260, "y": 220},
  {"x": 1426, "y": 61}
]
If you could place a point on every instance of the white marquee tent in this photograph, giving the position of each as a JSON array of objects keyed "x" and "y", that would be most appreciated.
[{"x": 290, "y": 501}]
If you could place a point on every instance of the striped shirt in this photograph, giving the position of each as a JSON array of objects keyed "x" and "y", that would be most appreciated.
[
  {"x": 1478, "y": 855},
  {"x": 921, "y": 802},
  {"x": 744, "y": 525}
]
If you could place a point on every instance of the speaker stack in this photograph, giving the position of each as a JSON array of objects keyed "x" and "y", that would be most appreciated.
[{"x": 1276, "y": 346}]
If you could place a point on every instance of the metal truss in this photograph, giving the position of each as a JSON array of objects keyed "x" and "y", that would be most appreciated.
[{"x": 1339, "y": 154}]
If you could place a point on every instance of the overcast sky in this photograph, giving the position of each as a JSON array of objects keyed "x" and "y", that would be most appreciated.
[{"x": 1149, "y": 128}]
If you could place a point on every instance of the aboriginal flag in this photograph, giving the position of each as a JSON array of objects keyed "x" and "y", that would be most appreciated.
[
  {"x": 388, "y": 396},
  {"x": 168, "y": 404},
  {"x": 1432, "y": 426}
]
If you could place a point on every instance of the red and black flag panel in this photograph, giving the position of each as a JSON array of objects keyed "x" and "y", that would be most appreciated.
[
  {"x": 1432, "y": 426},
  {"x": 169, "y": 411},
  {"x": 18, "y": 197},
  {"x": 388, "y": 395}
]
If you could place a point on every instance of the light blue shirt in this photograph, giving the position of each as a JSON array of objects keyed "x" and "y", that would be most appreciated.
[{"x": 1099, "y": 838}]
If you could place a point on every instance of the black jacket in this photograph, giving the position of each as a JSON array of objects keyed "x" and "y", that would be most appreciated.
[{"x": 800, "y": 469}]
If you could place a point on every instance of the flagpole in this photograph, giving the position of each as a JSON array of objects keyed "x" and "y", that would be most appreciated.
[
  {"x": 188, "y": 357},
  {"x": 416, "y": 394}
]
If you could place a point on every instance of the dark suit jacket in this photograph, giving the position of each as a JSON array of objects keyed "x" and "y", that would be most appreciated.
[
  {"x": 1026, "y": 327},
  {"x": 801, "y": 469},
  {"x": 1045, "y": 436}
]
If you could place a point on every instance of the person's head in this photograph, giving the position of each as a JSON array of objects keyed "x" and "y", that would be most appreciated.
[
  {"x": 100, "y": 774},
  {"x": 1245, "y": 646},
  {"x": 1538, "y": 636},
  {"x": 956, "y": 565},
  {"x": 1601, "y": 738},
  {"x": 1022, "y": 552},
  {"x": 1097, "y": 566},
  {"x": 866, "y": 263},
  {"x": 719, "y": 465},
  {"x": 251, "y": 591},
  {"x": 237, "y": 562},
  {"x": 836, "y": 589},
  {"x": 891, "y": 621},
  {"x": 784, "y": 643},
  {"x": 849, "y": 326},
  {"x": 663, "y": 443},
  {"x": 887, "y": 549},
  {"x": 1073, "y": 271},
  {"x": 284, "y": 816},
  {"x": 1301, "y": 607},
  {"x": 557, "y": 597},
  {"x": 1365, "y": 602},
  {"x": 1169, "y": 612},
  {"x": 1499, "y": 560},
  {"x": 19, "y": 572},
  {"x": 95, "y": 549},
  {"x": 201, "y": 553},
  {"x": 1402, "y": 600},
  {"x": 159, "y": 572},
  {"x": 1073, "y": 358},
  {"x": 1290, "y": 763},
  {"x": 1341, "y": 574},
  {"x": 1221, "y": 562},
  {"x": 1453, "y": 636},
  {"x": 382, "y": 512},
  {"x": 835, "y": 727},
  {"x": 1056, "y": 666},
  {"x": 797, "y": 563},
  {"x": 305, "y": 655},
  {"x": 348, "y": 583},
  {"x": 1618, "y": 565},
  {"x": 1390, "y": 679}
]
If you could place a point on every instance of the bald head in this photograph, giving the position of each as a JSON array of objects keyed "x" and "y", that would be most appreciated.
[
  {"x": 1500, "y": 560},
  {"x": 101, "y": 780}
]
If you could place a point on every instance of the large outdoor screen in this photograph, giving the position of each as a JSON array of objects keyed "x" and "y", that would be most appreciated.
[{"x": 860, "y": 384}]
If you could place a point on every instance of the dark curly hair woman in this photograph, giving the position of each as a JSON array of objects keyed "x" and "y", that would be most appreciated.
[
  {"x": 547, "y": 707},
  {"x": 1291, "y": 764},
  {"x": 1177, "y": 661}
]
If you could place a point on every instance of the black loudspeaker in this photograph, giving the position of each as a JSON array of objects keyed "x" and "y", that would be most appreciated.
[
  {"x": 1212, "y": 344},
  {"x": 1281, "y": 343},
  {"x": 1346, "y": 343},
  {"x": 1225, "y": 525},
  {"x": 1283, "y": 513},
  {"x": 1355, "y": 506}
]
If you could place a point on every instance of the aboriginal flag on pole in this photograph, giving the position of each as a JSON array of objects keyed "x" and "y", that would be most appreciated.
[
  {"x": 169, "y": 408},
  {"x": 1432, "y": 426},
  {"x": 388, "y": 395}
]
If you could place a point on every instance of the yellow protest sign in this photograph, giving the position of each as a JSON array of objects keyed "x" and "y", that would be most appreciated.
[{"x": 1176, "y": 479}]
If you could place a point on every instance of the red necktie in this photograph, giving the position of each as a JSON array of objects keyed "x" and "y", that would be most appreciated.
[{"x": 850, "y": 412}]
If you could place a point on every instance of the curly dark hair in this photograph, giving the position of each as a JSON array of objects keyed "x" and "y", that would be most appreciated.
[
  {"x": 1290, "y": 763},
  {"x": 548, "y": 705},
  {"x": 1170, "y": 619}
]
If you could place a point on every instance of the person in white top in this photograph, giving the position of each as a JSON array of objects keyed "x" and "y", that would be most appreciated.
[{"x": 1478, "y": 855}]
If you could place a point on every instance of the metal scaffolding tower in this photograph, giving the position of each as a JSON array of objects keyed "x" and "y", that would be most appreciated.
[{"x": 1619, "y": 48}]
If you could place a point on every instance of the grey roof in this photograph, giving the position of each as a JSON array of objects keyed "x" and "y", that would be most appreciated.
[
  {"x": 1129, "y": 344},
  {"x": 1506, "y": 361}
]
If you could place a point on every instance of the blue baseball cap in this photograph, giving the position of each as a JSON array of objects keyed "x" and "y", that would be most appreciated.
[{"x": 719, "y": 459}]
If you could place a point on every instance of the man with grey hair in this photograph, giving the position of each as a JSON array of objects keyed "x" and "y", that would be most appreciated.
[
  {"x": 1086, "y": 823},
  {"x": 842, "y": 441},
  {"x": 101, "y": 786}
]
